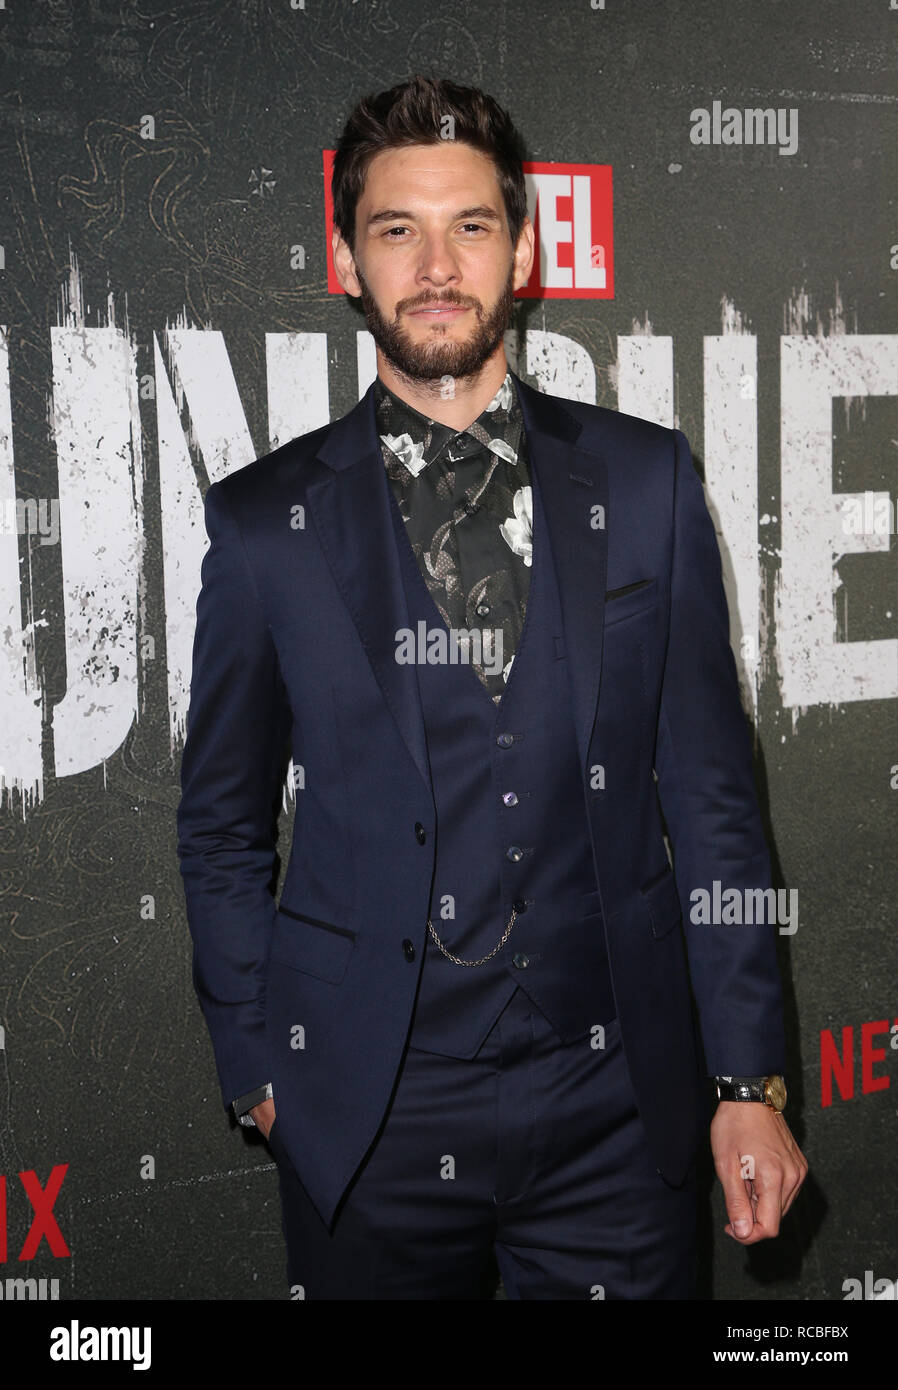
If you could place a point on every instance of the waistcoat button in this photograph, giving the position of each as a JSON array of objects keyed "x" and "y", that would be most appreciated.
[
  {"x": 505, "y": 740},
  {"x": 520, "y": 960},
  {"x": 420, "y": 832},
  {"x": 514, "y": 853},
  {"x": 408, "y": 949},
  {"x": 510, "y": 798}
]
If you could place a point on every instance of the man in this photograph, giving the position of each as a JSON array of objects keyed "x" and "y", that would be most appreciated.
[{"x": 491, "y": 627}]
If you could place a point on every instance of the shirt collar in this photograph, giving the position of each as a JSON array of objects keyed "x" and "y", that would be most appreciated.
[{"x": 417, "y": 441}]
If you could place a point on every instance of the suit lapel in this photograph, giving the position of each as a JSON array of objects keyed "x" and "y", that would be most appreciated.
[
  {"x": 350, "y": 509},
  {"x": 573, "y": 484}
]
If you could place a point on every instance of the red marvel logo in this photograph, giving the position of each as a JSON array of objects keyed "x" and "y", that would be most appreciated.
[
  {"x": 571, "y": 211},
  {"x": 570, "y": 208}
]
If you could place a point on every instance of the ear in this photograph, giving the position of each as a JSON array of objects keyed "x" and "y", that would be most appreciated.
[
  {"x": 524, "y": 253},
  {"x": 344, "y": 265}
]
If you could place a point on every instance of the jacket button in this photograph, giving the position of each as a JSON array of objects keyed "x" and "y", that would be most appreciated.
[
  {"x": 408, "y": 949},
  {"x": 520, "y": 960},
  {"x": 420, "y": 832}
]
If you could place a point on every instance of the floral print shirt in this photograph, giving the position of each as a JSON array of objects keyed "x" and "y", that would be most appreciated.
[{"x": 466, "y": 500}]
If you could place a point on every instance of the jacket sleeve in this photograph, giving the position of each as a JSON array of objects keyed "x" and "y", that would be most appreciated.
[
  {"x": 703, "y": 761},
  {"x": 232, "y": 767}
]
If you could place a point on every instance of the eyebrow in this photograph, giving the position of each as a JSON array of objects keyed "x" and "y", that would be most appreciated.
[{"x": 482, "y": 211}]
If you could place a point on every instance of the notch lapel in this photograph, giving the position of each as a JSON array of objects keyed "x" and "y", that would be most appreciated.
[
  {"x": 350, "y": 509},
  {"x": 572, "y": 482}
]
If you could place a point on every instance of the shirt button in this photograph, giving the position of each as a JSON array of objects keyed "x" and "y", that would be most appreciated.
[
  {"x": 420, "y": 832},
  {"x": 514, "y": 853},
  {"x": 408, "y": 949},
  {"x": 520, "y": 960},
  {"x": 505, "y": 740},
  {"x": 510, "y": 798}
]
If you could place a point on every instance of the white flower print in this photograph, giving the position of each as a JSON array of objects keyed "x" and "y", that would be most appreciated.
[
  {"x": 517, "y": 531},
  {"x": 407, "y": 451},
  {"x": 505, "y": 451},
  {"x": 502, "y": 398}
]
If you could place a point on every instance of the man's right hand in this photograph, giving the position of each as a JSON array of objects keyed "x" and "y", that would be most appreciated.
[{"x": 264, "y": 1117}]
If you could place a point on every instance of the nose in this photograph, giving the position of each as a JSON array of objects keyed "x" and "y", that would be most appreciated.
[{"x": 437, "y": 265}]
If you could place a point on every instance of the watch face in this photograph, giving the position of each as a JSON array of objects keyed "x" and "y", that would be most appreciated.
[{"x": 775, "y": 1088}]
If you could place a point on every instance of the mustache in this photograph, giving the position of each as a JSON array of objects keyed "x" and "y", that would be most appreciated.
[{"x": 457, "y": 301}]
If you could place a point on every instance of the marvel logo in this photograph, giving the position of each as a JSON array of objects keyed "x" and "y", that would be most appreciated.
[{"x": 571, "y": 210}]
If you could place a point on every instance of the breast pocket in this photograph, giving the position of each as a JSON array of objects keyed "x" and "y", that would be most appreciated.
[
  {"x": 317, "y": 948},
  {"x": 629, "y": 600}
]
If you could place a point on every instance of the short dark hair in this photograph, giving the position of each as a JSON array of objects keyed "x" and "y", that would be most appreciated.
[{"x": 414, "y": 113}]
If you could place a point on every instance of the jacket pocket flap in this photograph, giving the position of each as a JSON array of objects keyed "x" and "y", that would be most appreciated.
[
  {"x": 632, "y": 599},
  {"x": 321, "y": 949}
]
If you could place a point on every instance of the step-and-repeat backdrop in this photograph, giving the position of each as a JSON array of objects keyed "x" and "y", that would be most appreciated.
[{"x": 714, "y": 193}]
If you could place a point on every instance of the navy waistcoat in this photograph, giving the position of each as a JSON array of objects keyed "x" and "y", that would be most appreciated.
[{"x": 511, "y": 829}]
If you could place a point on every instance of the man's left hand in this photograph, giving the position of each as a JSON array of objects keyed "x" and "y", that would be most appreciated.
[{"x": 760, "y": 1166}]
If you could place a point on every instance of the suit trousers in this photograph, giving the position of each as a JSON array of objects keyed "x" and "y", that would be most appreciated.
[{"x": 529, "y": 1159}]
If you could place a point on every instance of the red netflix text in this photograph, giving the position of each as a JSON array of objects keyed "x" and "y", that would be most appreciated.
[
  {"x": 837, "y": 1061},
  {"x": 43, "y": 1223}
]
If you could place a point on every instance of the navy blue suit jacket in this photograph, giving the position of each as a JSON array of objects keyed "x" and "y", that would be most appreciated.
[{"x": 295, "y": 644}]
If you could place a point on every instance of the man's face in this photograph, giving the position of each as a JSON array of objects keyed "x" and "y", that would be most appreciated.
[{"x": 433, "y": 262}]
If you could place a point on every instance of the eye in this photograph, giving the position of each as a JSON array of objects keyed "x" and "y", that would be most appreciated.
[
  {"x": 476, "y": 225},
  {"x": 394, "y": 229}
]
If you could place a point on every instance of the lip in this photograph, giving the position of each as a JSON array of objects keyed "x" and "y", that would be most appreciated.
[{"x": 437, "y": 313}]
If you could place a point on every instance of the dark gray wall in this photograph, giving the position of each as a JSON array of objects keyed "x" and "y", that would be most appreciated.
[{"x": 106, "y": 1057}]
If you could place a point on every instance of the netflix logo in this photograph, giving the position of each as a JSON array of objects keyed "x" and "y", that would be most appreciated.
[
  {"x": 44, "y": 1225},
  {"x": 837, "y": 1062},
  {"x": 571, "y": 210}
]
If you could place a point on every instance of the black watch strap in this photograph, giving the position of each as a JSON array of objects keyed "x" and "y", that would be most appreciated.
[{"x": 765, "y": 1090}]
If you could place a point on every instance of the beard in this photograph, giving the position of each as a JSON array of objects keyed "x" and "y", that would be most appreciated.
[{"x": 439, "y": 356}]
